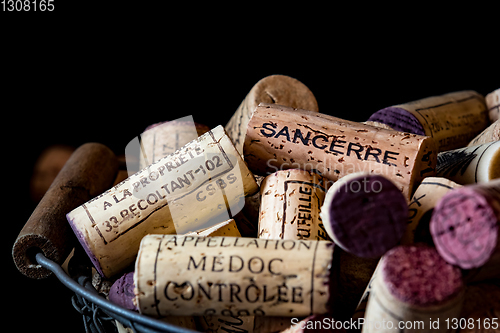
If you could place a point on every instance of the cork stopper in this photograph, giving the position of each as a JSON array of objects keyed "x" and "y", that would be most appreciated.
[
  {"x": 464, "y": 227},
  {"x": 122, "y": 292},
  {"x": 398, "y": 119},
  {"x": 418, "y": 275},
  {"x": 365, "y": 214}
]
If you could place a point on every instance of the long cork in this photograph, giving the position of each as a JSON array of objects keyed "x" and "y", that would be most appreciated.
[
  {"x": 425, "y": 198},
  {"x": 194, "y": 188},
  {"x": 415, "y": 286},
  {"x": 291, "y": 204},
  {"x": 452, "y": 120},
  {"x": 365, "y": 214},
  {"x": 162, "y": 139},
  {"x": 465, "y": 229},
  {"x": 88, "y": 172},
  {"x": 233, "y": 276},
  {"x": 493, "y": 105},
  {"x": 274, "y": 89},
  {"x": 474, "y": 164},
  {"x": 284, "y": 138}
]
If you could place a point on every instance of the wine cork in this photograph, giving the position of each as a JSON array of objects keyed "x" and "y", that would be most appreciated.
[
  {"x": 475, "y": 164},
  {"x": 465, "y": 228},
  {"x": 89, "y": 171},
  {"x": 199, "y": 185},
  {"x": 274, "y": 89},
  {"x": 233, "y": 276},
  {"x": 416, "y": 287},
  {"x": 162, "y": 139},
  {"x": 490, "y": 134},
  {"x": 493, "y": 105},
  {"x": 452, "y": 120},
  {"x": 290, "y": 206},
  {"x": 284, "y": 138},
  {"x": 122, "y": 294},
  {"x": 365, "y": 214},
  {"x": 417, "y": 230},
  {"x": 425, "y": 198}
]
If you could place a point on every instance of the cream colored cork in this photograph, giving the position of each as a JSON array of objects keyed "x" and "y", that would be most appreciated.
[
  {"x": 198, "y": 186},
  {"x": 232, "y": 276}
]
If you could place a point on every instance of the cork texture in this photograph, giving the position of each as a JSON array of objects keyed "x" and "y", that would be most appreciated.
[
  {"x": 290, "y": 206},
  {"x": 274, "y": 89},
  {"x": 232, "y": 276},
  {"x": 281, "y": 138},
  {"x": 194, "y": 188},
  {"x": 452, "y": 120}
]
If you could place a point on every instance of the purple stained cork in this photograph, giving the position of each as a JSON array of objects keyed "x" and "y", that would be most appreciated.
[
  {"x": 122, "y": 292},
  {"x": 418, "y": 275},
  {"x": 398, "y": 119},
  {"x": 464, "y": 226},
  {"x": 365, "y": 214}
]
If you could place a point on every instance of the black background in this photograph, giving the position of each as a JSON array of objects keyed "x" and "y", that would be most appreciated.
[{"x": 72, "y": 77}]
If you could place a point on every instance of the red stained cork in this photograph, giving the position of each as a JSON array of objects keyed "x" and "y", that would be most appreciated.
[
  {"x": 464, "y": 227},
  {"x": 418, "y": 275}
]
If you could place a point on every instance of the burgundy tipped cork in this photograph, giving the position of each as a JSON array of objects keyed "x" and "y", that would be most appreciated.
[
  {"x": 464, "y": 227},
  {"x": 365, "y": 214},
  {"x": 122, "y": 292},
  {"x": 418, "y": 275},
  {"x": 398, "y": 119}
]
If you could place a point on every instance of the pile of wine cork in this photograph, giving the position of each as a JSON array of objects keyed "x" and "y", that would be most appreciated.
[{"x": 289, "y": 219}]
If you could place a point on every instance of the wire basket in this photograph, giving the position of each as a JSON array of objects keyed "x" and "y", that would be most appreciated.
[{"x": 99, "y": 312}]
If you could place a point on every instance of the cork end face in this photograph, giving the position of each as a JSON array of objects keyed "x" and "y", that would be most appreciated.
[
  {"x": 464, "y": 228},
  {"x": 494, "y": 169},
  {"x": 122, "y": 292},
  {"x": 24, "y": 252},
  {"x": 419, "y": 276},
  {"x": 398, "y": 119},
  {"x": 367, "y": 215},
  {"x": 283, "y": 90}
]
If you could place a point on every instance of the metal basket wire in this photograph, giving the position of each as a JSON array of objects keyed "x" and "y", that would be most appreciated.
[{"x": 98, "y": 312}]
